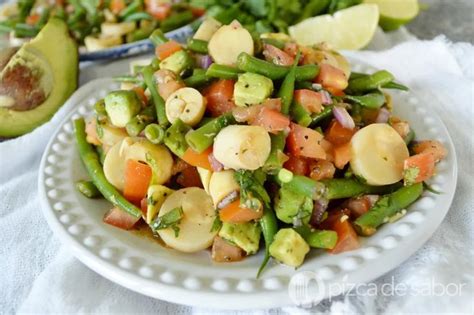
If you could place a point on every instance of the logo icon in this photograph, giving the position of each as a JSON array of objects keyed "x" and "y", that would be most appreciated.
[{"x": 306, "y": 289}]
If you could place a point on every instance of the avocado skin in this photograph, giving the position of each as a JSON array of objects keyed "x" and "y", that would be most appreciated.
[{"x": 54, "y": 45}]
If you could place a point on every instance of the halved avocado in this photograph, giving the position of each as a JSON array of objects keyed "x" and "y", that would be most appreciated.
[{"x": 37, "y": 80}]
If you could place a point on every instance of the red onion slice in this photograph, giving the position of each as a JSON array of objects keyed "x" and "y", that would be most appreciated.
[
  {"x": 228, "y": 200},
  {"x": 383, "y": 116},
  {"x": 204, "y": 61},
  {"x": 215, "y": 164},
  {"x": 343, "y": 117},
  {"x": 326, "y": 97}
]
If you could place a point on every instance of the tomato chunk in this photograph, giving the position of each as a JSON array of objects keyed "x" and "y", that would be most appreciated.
[
  {"x": 273, "y": 103},
  {"x": 418, "y": 168},
  {"x": 198, "y": 159},
  {"x": 321, "y": 169},
  {"x": 189, "y": 177},
  {"x": 332, "y": 77},
  {"x": 141, "y": 94},
  {"x": 119, "y": 218},
  {"x": 234, "y": 213},
  {"x": 137, "y": 178},
  {"x": 277, "y": 56},
  {"x": 223, "y": 251},
  {"x": 219, "y": 97},
  {"x": 306, "y": 142},
  {"x": 337, "y": 134},
  {"x": 310, "y": 100},
  {"x": 116, "y": 6},
  {"x": 433, "y": 147},
  {"x": 297, "y": 164},
  {"x": 158, "y": 9},
  {"x": 198, "y": 12},
  {"x": 165, "y": 50},
  {"x": 342, "y": 155},
  {"x": 347, "y": 238},
  {"x": 272, "y": 120},
  {"x": 91, "y": 132},
  {"x": 32, "y": 19}
]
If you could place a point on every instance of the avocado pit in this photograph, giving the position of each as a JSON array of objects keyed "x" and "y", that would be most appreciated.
[{"x": 20, "y": 88}]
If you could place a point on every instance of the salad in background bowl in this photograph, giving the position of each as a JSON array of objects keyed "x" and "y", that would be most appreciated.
[
  {"x": 234, "y": 141},
  {"x": 109, "y": 29}
]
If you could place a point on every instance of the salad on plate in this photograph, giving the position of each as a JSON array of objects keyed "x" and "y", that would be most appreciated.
[{"x": 240, "y": 144}]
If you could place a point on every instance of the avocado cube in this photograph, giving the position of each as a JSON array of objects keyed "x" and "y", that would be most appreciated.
[
  {"x": 121, "y": 106},
  {"x": 252, "y": 88},
  {"x": 289, "y": 247},
  {"x": 291, "y": 207},
  {"x": 178, "y": 62},
  {"x": 245, "y": 235}
]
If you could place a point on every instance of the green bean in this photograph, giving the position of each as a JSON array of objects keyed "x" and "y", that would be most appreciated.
[
  {"x": 176, "y": 20},
  {"x": 44, "y": 17},
  {"x": 356, "y": 75},
  {"x": 139, "y": 34},
  {"x": 138, "y": 16},
  {"x": 202, "y": 138},
  {"x": 389, "y": 85},
  {"x": 197, "y": 45},
  {"x": 373, "y": 100},
  {"x": 91, "y": 161},
  {"x": 25, "y": 7},
  {"x": 248, "y": 63},
  {"x": 318, "y": 238},
  {"x": 396, "y": 86},
  {"x": 317, "y": 118},
  {"x": 132, "y": 8},
  {"x": 269, "y": 226},
  {"x": 409, "y": 137},
  {"x": 387, "y": 207},
  {"x": 136, "y": 125},
  {"x": 175, "y": 137},
  {"x": 223, "y": 72},
  {"x": 277, "y": 157},
  {"x": 300, "y": 115},
  {"x": 154, "y": 133},
  {"x": 304, "y": 85},
  {"x": 127, "y": 78},
  {"x": 339, "y": 188},
  {"x": 157, "y": 99},
  {"x": 158, "y": 37},
  {"x": 287, "y": 88},
  {"x": 88, "y": 189},
  {"x": 370, "y": 82},
  {"x": 197, "y": 80},
  {"x": 305, "y": 186},
  {"x": 100, "y": 151},
  {"x": 252, "y": 191},
  {"x": 25, "y": 30},
  {"x": 7, "y": 26}
]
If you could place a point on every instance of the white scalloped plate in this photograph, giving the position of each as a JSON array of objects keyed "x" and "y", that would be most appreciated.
[{"x": 144, "y": 266}]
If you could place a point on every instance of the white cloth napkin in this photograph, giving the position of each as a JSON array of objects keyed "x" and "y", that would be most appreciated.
[{"x": 38, "y": 275}]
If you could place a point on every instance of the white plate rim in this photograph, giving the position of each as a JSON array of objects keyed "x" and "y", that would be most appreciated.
[{"x": 270, "y": 292}]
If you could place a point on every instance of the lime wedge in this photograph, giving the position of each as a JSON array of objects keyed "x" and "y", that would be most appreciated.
[
  {"x": 351, "y": 28},
  {"x": 395, "y": 13}
]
